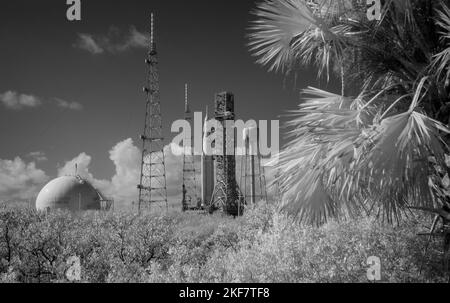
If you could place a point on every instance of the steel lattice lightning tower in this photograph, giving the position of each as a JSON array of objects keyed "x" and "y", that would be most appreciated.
[
  {"x": 252, "y": 171},
  {"x": 189, "y": 171},
  {"x": 153, "y": 183}
]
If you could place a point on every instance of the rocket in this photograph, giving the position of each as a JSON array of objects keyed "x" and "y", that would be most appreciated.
[
  {"x": 207, "y": 169},
  {"x": 251, "y": 139}
]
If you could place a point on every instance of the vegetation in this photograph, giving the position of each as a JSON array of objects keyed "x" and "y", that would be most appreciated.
[
  {"x": 378, "y": 145},
  {"x": 378, "y": 148},
  {"x": 263, "y": 246}
]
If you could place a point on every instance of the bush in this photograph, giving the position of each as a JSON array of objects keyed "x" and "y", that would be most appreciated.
[{"x": 263, "y": 246}]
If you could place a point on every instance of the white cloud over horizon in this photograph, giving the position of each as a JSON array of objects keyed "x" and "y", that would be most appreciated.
[
  {"x": 114, "y": 41},
  {"x": 23, "y": 181},
  {"x": 20, "y": 180},
  {"x": 122, "y": 187},
  {"x": 15, "y": 101},
  {"x": 38, "y": 156},
  {"x": 87, "y": 42},
  {"x": 80, "y": 166},
  {"x": 68, "y": 105}
]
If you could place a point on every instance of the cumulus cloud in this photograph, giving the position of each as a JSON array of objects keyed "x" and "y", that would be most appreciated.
[
  {"x": 16, "y": 101},
  {"x": 114, "y": 41},
  {"x": 20, "y": 180},
  {"x": 68, "y": 105},
  {"x": 38, "y": 156},
  {"x": 122, "y": 187},
  {"x": 80, "y": 166},
  {"x": 88, "y": 43},
  {"x": 126, "y": 158}
]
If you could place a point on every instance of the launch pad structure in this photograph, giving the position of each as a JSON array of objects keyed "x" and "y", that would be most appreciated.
[
  {"x": 226, "y": 191},
  {"x": 219, "y": 188}
]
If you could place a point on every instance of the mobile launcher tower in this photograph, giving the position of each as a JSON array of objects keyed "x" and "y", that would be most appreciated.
[
  {"x": 219, "y": 187},
  {"x": 226, "y": 196}
]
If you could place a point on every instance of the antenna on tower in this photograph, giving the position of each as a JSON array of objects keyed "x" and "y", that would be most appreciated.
[
  {"x": 186, "y": 101},
  {"x": 153, "y": 183},
  {"x": 152, "y": 34}
]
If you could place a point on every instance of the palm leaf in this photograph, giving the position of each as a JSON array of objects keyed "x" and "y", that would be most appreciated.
[
  {"x": 441, "y": 61},
  {"x": 322, "y": 148},
  {"x": 378, "y": 151},
  {"x": 331, "y": 157},
  {"x": 284, "y": 29},
  {"x": 279, "y": 23}
]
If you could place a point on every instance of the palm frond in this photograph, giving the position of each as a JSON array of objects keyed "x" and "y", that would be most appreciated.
[
  {"x": 279, "y": 23},
  {"x": 380, "y": 150},
  {"x": 324, "y": 129},
  {"x": 394, "y": 160},
  {"x": 441, "y": 61},
  {"x": 401, "y": 8},
  {"x": 317, "y": 205},
  {"x": 331, "y": 157},
  {"x": 288, "y": 31}
]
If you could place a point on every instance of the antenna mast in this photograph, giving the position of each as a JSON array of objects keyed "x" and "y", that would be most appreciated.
[{"x": 153, "y": 183}]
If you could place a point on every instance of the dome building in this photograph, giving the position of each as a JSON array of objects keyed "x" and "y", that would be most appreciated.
[{"x": 70, "y": 193}]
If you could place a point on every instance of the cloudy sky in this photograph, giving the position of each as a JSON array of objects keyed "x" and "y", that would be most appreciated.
[{"x": 71, "y": 92}]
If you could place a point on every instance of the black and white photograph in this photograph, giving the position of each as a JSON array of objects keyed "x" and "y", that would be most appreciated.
[{"x": 239, "y": 142}]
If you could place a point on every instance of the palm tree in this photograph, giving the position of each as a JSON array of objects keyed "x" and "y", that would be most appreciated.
[{"x": 379, "y": 145}]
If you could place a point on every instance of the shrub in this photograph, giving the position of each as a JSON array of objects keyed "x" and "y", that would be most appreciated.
[{"x": 263, "y": 246}]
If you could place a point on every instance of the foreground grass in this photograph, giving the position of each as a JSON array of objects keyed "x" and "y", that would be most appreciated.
[{"x": 263, "y": 246}]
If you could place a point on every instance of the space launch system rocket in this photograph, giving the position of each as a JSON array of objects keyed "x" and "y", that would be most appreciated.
[{"x": 207, "y": 169}]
